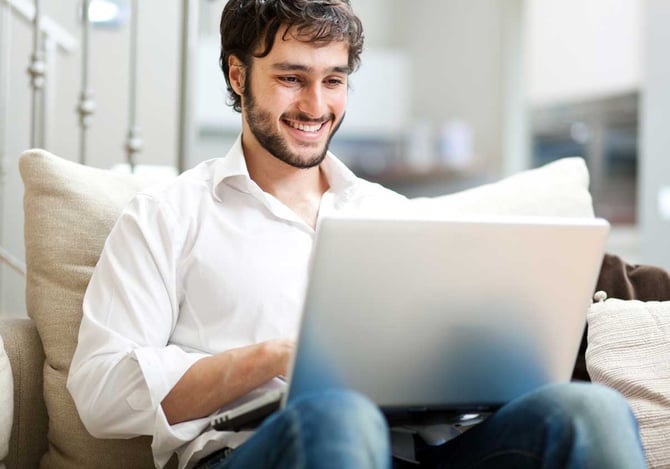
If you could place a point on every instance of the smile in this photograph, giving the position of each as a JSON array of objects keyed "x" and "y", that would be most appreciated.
[{"x": 305, "y": 127}]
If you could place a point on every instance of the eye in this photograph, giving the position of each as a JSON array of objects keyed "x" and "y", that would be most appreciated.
[
  {"x": 290, "y": 79},
  {"x": 335, "y": 82}
]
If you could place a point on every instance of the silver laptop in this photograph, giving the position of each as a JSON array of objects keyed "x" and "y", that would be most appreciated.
[{"x": 457, "y": 315}]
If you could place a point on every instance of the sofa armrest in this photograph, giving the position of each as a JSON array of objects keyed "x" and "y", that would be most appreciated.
[{"x": 28, "y": 441}]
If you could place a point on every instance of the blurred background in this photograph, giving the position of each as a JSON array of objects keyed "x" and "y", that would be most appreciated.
[{"x": 451, "y": 94}]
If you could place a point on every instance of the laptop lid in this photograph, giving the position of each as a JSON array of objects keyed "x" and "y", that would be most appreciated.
[{"x": 460, "y": 314}]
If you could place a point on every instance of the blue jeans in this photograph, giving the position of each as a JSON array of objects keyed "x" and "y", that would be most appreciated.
[{"x": 558, "y": 426}]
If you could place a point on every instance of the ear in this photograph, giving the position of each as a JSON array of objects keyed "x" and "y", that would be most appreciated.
[{"x": 236, "y": 74}]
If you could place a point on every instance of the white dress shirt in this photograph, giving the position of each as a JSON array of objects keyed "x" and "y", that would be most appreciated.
[{"x": 197, "y": 266}]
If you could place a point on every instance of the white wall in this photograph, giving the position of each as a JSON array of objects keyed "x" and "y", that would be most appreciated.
[
  {"x": 158, "y": 58},
  {"x": 12, "y": 287},
  {"x": 157, "y": 104},
  {"x": 582, "y": 48},
  {"x": 455, "y": 48},
  {"x": 654, "y": 174}
]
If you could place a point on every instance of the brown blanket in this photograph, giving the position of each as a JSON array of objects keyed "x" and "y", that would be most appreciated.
[{"x": 627, "y": 282}]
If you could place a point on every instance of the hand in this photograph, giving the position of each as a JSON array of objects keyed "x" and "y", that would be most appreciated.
[
  {"x": 219, "y": 379},
  {"x": 281, "y": 352}
]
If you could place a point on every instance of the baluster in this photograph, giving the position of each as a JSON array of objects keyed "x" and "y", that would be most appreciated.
[
  {"x": 189, "y": 50},
  {"x": 37, "y": 72},
  {"x": 5, "y": 51},
  {"x": 86, "y": 106},
  {"x": 134, "y": 139},
  {"x": 5, "y": 77},
  {"x": 50, "y": 51}
]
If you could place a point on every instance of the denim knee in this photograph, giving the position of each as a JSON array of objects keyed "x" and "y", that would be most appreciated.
[
  {"x": 329, "y": 430},
  {"x": 344, "y": 410},
  {"x": 591, "y": 423},
  {"x": 346, "y": 425},
  {"x": 590, "y": 401}
]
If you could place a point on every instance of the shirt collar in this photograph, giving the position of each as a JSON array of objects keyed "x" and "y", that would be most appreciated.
[
  {"x": 234, "y": 167},
  {"x": 340, "y": 178}
]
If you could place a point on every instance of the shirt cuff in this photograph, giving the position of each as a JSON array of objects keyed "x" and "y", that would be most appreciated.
[{"x": 162, "y": 368}]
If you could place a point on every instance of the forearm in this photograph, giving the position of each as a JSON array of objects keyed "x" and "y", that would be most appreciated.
[{"x": 219, "y": 379}]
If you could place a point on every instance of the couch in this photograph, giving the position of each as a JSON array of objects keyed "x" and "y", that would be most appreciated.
[{"x": 68, "y": 211}]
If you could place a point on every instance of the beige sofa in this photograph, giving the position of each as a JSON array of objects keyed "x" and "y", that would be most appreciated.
[{"x": 69, "y": 209}]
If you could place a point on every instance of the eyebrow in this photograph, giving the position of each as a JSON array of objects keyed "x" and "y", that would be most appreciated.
[{"x": 291, "y": 67}]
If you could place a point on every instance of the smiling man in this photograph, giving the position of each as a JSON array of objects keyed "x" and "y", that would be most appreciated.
[
  {"x": 196, "y": 298},
  {"x": 293, "y": 102},
  {"x": 303, "y": 105}
]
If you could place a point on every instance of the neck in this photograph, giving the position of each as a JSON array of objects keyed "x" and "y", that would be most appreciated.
[{"x": 300, "y": 189}]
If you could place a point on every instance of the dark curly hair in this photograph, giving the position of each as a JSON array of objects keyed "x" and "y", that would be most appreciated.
[{"x": 246, "y": 23}]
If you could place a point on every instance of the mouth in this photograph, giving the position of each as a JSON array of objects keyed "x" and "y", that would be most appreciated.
[{"x": 306, "y": 129}]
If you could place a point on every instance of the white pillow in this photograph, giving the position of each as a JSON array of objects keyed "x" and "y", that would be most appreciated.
[
  {"x": 6, "y": 401},
  {"x": 629, "y": 350},
  {"x": 559, "y": 188}
]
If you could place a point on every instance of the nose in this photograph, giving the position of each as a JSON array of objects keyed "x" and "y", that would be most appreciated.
[{"x": 313, "y": 101}]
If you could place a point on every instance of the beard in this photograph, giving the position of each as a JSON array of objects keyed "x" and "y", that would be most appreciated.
[{"x": 261, "y": 124}]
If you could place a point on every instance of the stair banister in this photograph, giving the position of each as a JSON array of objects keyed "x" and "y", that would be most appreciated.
[
  {"x": 65, "y": 41},
  {"x": 86, "y": 106},
  {"x": 134, "y": 139}
]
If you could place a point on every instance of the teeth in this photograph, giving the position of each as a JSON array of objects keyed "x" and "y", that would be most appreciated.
[{"x": 304, "y": 127}]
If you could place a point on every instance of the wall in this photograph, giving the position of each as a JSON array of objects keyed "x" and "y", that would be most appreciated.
[
  {"x": 12, "y": 286},
  {"x": 158, "y": 58},
  {"x": 582, "y": 49},
  {"x": 654, "y": 173},
  {"x": 456, "y": 48},
  {"x": 157, "y": 68},
  {"x": 591, "y": 49}
]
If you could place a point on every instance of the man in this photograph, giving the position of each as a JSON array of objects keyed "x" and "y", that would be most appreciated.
[{"x": 196, "y": 297}]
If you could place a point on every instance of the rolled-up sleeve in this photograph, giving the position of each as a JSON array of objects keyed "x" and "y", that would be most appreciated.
[{"x": 124, "y": 364}]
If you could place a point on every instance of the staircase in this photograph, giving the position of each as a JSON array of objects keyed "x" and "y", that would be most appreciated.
[
  {"x": 20, "y": 20},
  {"x": 91, "y": 94}
]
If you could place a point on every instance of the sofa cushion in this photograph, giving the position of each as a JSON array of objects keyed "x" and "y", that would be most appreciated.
[
  {"x": 559, "y": 188},
  {"x": 628, "y": 351},
  {"x": 6, "y": 401},
  {"x": 69, "y": 210},
  {"x": 23, "y": 347}
]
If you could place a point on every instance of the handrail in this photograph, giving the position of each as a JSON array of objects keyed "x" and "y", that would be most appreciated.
[
  {"x": 15, "y": 264},
  {"x": 53, "y": 30}
]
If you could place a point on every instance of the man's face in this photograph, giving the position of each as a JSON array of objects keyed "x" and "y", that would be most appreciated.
[{"x": 294, "y": 100}]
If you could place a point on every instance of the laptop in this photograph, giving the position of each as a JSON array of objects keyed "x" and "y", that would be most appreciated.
[{"x": 437, "y": 315}]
